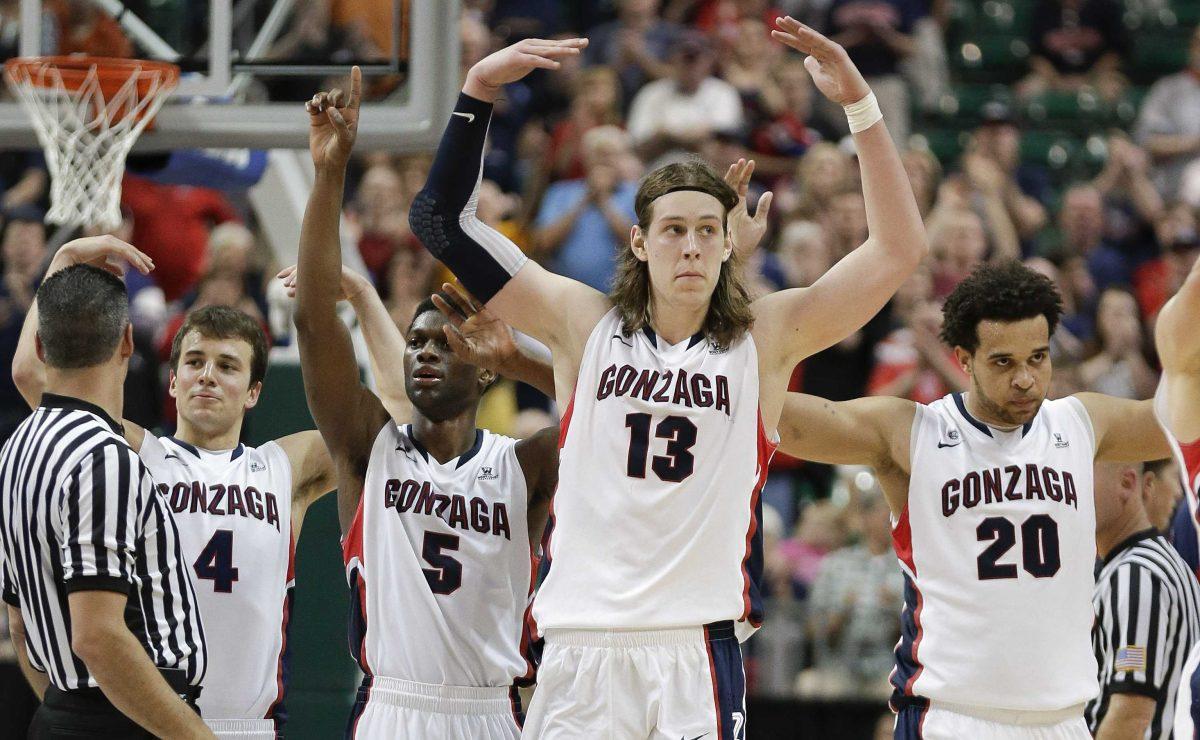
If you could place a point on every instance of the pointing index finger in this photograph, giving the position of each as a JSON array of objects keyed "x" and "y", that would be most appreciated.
[{"x": 355, "y": 87}]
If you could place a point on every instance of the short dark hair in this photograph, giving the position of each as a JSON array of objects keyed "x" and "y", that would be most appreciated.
[
  {"x": 82, "y": 315},
  {"x": 428, "y": 305},
  {"x": 1158, "y": 466},
  {"x": 999, "y": 291},
  {"x": 223, "y": 322}
]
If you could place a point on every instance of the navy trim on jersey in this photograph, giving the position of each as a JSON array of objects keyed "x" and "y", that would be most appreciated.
[
  {"x": 754, "y": 568},
  {"x": 357, "y": 627},
  {"x": 70, "y": 403},
  {"x": 514, "y": 700},
  {"x": 907, "y": 666},
  {"x": 729, "y": 679},
  {"x": 695, "y": 339},
  {"x": 234, "y": 454},
  {"x": 278, "y": 711},
  {"x": 1182, "y": 536},
  {"x": 360, "y": 706},
  {"x": 962, "y": 409},
  {"x": 462, "y": 459}
]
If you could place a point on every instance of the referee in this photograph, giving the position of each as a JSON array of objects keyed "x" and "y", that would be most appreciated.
[
  {"x": 1147, "y": 604},
  {"x": 90, "y": 556}
]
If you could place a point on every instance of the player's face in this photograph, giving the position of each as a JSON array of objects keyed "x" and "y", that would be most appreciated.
[
  {"x": 1161, "y": 493},
  {"x": 1010, "y": 370},
  {"x": 684, "y": 246},
  {"x": 211, "y": 384},
  {"x": 439, "y": 384}
]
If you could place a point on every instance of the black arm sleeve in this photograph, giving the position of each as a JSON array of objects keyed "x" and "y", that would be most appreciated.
[{"x": 443, "y": 217}]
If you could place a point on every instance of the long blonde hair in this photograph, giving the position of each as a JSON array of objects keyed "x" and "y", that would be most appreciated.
[{"x": 729, "y": 314}]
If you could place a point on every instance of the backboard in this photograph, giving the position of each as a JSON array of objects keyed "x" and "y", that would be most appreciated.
[{"x": 248, "y": 65}]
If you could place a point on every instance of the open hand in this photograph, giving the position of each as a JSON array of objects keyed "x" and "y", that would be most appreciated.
[
  {"x": 835, "y": 75},
  {"x": 511, "y": 63},
  {"x": 351, "y": 284},
  {"x": 476, "y": 335},
  {"x": 746, "y": 231},
  {"x": 333, "y": 123},
  {"x": 105, "y": 251}
]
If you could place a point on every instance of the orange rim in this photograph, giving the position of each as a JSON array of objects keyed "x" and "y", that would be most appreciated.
[{"x": 112, "y": 73}]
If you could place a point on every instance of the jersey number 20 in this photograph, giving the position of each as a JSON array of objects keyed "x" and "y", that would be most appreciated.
[
  {"x": 677, "y": 464},
  {"x": 1039, "y": 547}
]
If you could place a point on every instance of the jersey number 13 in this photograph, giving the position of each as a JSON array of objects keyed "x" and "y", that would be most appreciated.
[{"x": 678, "y": 462}]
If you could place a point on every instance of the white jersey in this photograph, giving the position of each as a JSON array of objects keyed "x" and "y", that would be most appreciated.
[
  {"x": 998, "y": 546},
  {"x": 655, "y": 520},
  {"x": 439, "y": 563},
  {"x": 233, "y": 509}
]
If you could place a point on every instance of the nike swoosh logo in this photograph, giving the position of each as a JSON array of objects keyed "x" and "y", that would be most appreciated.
[
  {"x": 695, "y": 738},
  {"x": 941, "y": 445},
  {"x": 469, "y": 116}
]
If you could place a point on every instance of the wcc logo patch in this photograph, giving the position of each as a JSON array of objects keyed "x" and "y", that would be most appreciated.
[
  {"x": 487, "y": 473},
  {"x": 1059, "y": 442},
  {"x": 256, "y": 466}
]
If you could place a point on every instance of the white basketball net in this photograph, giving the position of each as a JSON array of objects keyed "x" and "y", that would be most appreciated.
[{"x": 86, "y": 138}]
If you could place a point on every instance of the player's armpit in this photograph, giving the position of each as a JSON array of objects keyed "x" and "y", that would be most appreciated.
[
  {"x": 1126, "y": 431},
  {"x": 312, "y": 471},
  {"x": 864, "y": 431}
]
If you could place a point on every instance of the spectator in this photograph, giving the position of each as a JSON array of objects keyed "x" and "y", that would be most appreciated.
[
  {"x": 781, "y": 131},
  {"x": 23, "y": 249},
  {"x": 854, "y": 615},
  {"x": 1157, "y": 280},
  {"x": 846, "y": 221},
  {"x": 1066, "y": 349},
  {"x": 913, "y": 362},
  {"x": 1169, "y": 124},
  {"x": 636, "y": 44},
  {"x": 804, "y": 253},
  {"x": 684, "y": 110},
  {"x": 1023, "y": 188},
  {"x": 1132, "y": 204},
  {"x": 986, "y": 192},
  {"x": 171, "y": 224},
  {"x": 821, "y": 530},
  {"x": 1081, "y": 221},
  {"x": 583, "y": 222},
  {"x": 823, "y": 172},
  {"x": 1076, "y": 44},
  {"x": 957, "y": 244},
  {"x": 596, "y": 101},
  {"x": 1119, "y": 366},
  {"x": 382, "y": 210},
  {"x": 878, "y": 36},
  {"x": 231, "y": 248}
]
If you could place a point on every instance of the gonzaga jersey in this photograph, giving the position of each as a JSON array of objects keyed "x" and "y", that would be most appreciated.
[
  {"x": 439, "y": 563},
  {"x": 663, "y": 454},
  {"x": 233, "y": 509},
  {"x": 998, "y": 545}
]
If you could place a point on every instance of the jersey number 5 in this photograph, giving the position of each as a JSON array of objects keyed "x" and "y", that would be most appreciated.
[
  {"x": 215, "y": 562},
  {"x": 677, "y": 464},
  {"x": 446, "y": 574}
]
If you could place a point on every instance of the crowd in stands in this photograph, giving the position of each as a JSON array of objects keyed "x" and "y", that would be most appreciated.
[{"x": 1030, "y": 129}]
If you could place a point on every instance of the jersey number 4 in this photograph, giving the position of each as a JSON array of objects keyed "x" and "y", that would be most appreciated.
[
  {"x": 1039, "y": 547},
  {"x": 216, "y": 562},
  {"x": 677, "y": 464}
]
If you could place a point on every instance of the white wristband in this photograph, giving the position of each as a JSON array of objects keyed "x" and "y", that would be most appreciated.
[{"x": 864, "y": 114}]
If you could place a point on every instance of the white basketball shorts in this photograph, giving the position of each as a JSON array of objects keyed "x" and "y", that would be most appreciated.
[
  {"x": 393, "y": 708},
  {"x": 621, "y": 684},
  {"x": 937, "y": 722},
  {"x": 242, "y": 729}
]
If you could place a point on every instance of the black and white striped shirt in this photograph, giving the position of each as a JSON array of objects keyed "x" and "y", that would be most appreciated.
[
  {"x": 79, "y": 511},
  {"x": 1147, "y": 605}
]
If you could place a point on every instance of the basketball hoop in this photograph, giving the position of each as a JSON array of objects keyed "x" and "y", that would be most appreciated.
[{"x": 88, "y": 112}]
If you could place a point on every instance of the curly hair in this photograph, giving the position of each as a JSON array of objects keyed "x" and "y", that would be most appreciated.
[{"x": 1000, "y": 291}]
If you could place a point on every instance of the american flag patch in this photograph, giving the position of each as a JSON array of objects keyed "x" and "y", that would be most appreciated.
[{"x": 1131, "y": 658}]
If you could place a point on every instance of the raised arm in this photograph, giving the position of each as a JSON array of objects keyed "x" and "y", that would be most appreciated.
[
  {"x": 347, "y": 414},
  {"x": 1178, "y": 344},
  {"x": 871, "y": 431},
  {"x": 106, "y": 252},
  {"x": 799, "y": 322},
  {"x": 490, "y": 266},
  {"x": 1126, "y": 431}
]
